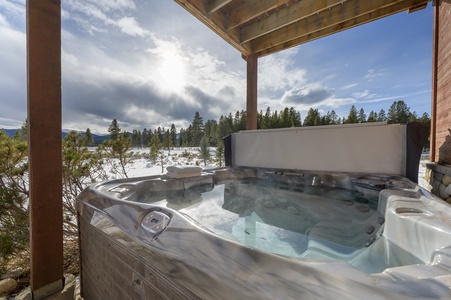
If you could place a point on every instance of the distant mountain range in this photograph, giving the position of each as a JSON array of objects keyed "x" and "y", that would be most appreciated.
[{"x": 97, "y": 138}]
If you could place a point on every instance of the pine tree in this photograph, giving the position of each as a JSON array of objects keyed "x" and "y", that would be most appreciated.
[
  {"x": 267, "y": 119},
  {"x": 155, "y": 147},
  {"x": 333, "y": 117},
  {"x": 167, "y": 141},
  {"x": 295, "y": 118},
  {"x": 145, "y": 138},
  {"x": 425, "y": 118},
  {"x": 381, "y": 117},
  {"x": 204, "y": 150},
  {"x": 197, "y": 129},
  {"x": 352, "y": 117},
  {"x": 413, "y": 117},
  {"x": 220, "y": 152},
  {"x": 81, "y": 168},
  {"x": 361, "y": 116},
  {"x": 312, "y": 118},
  {"x": 275, "y": 120},
  {"x": 160, "y": 132},
  {"x": 242, "y": 123},
  {"x": 285, "y": 121},
  {"x": 173, "y": 135},
  {"x": 236, "y": 122},
  {"x": 114, "y": 130},
  {"x": 398, "y": 113},
  {"x": 116, "y": 148},
  {"x": 89, "y": 138},
  {"x": 14, "y": 229},
  {"x": 224, "y": 127},
  {"x": 182, "y": 138},
  {"x": 372, "y": 117}
]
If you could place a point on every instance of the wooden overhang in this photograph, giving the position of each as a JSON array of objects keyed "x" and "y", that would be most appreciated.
[{"x": 262, "y": 27}]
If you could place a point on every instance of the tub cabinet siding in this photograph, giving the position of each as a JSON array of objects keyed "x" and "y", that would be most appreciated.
[
  {"x": 441, "y": 112},
  {"x": 112, "y": 267}
]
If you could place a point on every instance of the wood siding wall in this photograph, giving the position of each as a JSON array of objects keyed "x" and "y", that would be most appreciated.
[{"x": 442, "y": 92}]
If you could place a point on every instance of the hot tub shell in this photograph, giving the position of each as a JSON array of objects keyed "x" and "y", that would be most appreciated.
[
  {"x": 122, "y": 259},
  {"x": 133, "y": 249}
]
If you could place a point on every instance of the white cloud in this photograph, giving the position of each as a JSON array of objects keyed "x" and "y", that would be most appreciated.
[
  {"x": 97, "y": 81},
  {"x": 102, "y": 16},
  {"x": 363, "y": 94},
  {"x": 129, "y": 26},
  {"x": 350, "y": 86},
  {"x": 276, "y": 73},
  {"x": 12, "y": 74},
  {"x": 3, "y": 21},
  {"x": 307, "y": 95},
  {"x": 396, "y": 97},
  {"x": 373, "y": 74},
  {"x": 15, "y": 11},
  {"x": 114, "y": 5},
  {"x": 338, "y": 102}
]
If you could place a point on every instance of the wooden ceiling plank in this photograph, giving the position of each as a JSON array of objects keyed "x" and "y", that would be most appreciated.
[
  {"x": 215, "y": 22},
  {"x": 337, "y": 14},
  {"x": 251, "y": 9},
  {"x": 286, "y": 16},
  {"x": 353, "y": 22},
  {"x": 215, "y": 5}
]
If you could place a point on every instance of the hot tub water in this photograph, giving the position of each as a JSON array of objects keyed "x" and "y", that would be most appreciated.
[{"x": 294, "y": 220}]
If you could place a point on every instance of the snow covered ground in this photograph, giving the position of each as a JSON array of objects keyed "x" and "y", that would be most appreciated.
[{"x": 175, "y": 157}]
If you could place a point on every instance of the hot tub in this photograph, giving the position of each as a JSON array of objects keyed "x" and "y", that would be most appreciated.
[{"x": 264, "y": 233}]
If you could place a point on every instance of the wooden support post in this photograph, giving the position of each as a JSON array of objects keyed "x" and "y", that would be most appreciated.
[
  {"x": 433, "y": 129},
  {"x": 251, "y": 101},
  {"x": 44, "y": 140}
]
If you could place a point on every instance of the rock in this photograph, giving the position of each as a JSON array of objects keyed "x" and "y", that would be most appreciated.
[
  {"x": 448, "y": 200},
  {"x": 446, "y": 180},
  {"x": 24, "y": 295},
  {"x": 77, "y": 293},
  {"x": 448, "y": 189},
  {"x": 442, "y": 191},
  {"x": 68, "y": 292},
  {"x": 438, "y": 176},
  {"x": 7, "y": 285},
  {"x": 14, "y": 274},
  {"x": 431, "y": 178},
  {"x": 436, "y": 188}
]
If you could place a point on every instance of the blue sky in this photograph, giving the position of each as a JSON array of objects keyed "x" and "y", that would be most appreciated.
[{"x": 150, "y": 65}]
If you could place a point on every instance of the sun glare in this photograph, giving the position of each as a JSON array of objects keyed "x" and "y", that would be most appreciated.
[{"x": 172, "y": 72}]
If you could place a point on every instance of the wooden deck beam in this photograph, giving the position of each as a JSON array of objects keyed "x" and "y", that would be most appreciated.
[{"x": 44, "y": 132}]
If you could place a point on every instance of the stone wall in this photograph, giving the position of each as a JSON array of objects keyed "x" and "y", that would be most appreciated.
[{"x": 439, "y": 178}]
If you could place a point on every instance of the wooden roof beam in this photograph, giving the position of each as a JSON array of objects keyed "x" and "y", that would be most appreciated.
[
  {"x": 332, "y": 17},
  {"x": 286, "y": 16},
  {"x": 417, "y": 8},
  {"x": 214, "y": 5},
  {"x": 340, "y": 26},
  {"x": 250, "y": 10},
  {"x": 216, "y": 22}
]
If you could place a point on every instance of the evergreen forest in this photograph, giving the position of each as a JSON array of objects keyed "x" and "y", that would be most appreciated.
[{"x": 214, "y": 130}]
